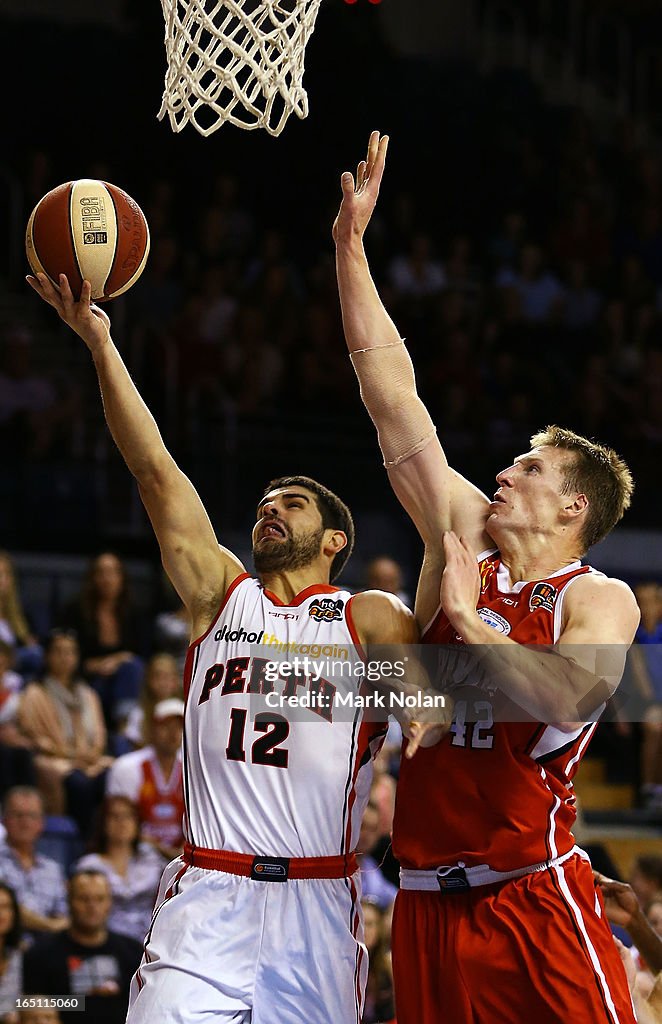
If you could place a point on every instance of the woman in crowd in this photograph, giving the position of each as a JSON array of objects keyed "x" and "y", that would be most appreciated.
[
  {"x": 14, "y": 628},
  {"x": 16, "y": 768},
  {"x": 132, "y": 867},
  {"x": 62, "y": 717},
  {"x": 110, "y": 634},
  {"x": 162, "y": 681},
  {"x": 11, "y": 956},
  {"x": 379, "y": 1004}
]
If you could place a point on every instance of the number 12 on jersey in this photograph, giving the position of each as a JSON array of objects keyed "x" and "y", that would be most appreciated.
[
  {"x": 475, "y": 734},
  {"x": 266, "y": 749}
]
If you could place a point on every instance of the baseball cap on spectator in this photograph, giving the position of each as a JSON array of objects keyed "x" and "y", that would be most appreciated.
[{"x": 171, "y": 708}]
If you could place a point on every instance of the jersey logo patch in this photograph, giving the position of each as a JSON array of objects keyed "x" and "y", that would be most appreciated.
[
  {"x": 486, "y": 570},
  {"x": 543, "y": 595},
  {"x": 324, "y": 609},
  {"x": 494, "y": 620},
  {"x": 270, "y": 869}
]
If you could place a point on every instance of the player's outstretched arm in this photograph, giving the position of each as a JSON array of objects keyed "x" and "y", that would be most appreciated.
[
  {"x": 199, "y": 568},
  {"x": 435, "y": 496}
]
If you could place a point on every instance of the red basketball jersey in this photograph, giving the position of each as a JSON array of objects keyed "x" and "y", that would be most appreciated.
[{"x": 496, "y": 793}]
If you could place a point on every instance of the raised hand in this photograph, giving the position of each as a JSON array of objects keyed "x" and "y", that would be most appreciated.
[
  {"x": 360, "y": 196},
  {"x": 88, "y": 321},
  {"x": 460, "y": 582}
]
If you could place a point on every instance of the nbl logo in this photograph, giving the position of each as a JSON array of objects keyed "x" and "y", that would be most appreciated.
[
  {"x": 326, "y": 610},
  {"x": 543, "y": 595}
]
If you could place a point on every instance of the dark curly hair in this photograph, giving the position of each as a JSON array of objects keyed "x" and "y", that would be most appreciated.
[{"x": 334, "y": 512}]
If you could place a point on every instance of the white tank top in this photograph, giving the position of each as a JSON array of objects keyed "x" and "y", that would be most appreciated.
[{"x": 295, "y": 782}]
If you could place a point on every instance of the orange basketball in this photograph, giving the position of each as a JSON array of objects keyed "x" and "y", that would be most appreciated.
[{"x": 89, "y": 230}]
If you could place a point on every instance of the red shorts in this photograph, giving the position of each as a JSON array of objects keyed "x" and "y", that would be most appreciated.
[{"x": 533, "y": 950}]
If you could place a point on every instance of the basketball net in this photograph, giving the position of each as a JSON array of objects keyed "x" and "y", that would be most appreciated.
[{"x": 240, "y": 61}]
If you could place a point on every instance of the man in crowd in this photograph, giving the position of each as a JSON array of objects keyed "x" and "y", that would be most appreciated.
[
  {"x": 37, "y": 881},
  {"x": 152, "y": 779},
  {"x": 85, "y": 959}
]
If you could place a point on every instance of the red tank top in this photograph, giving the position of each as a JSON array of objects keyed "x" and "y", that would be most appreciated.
[
  {"x": 494, "y": 793},
  {"x": 161, "y": 803}
]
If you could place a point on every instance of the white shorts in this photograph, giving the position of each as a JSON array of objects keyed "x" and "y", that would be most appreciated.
[{"x": 225, "y": 948}]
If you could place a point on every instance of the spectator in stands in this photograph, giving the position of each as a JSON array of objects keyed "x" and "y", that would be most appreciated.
[
  {"x": 384, "y": 573},
  {"x": 152, "y": 779},
  {"x": 582, "y": 302},
  {"x": 373, "y": 884},
  {"x": 647, "y": 1002},
  {"x": 86, "y": 959},
  {"x": 62, "y": 717},
  {"x": 172, "y": 629},
  {"x": 623, "y": 908},
  {"x": 132, "y": 867},
  {"x": 646, "y": 877},
  {"x": 11, "y": 955},
  {"x": 539, "y": 291},
  {"x": 110, "y": 634},
  {"x": 10, "y": 681},
  {"x": 28, "y": 399},
  {"x": 37, "y": 881},
  {"x": 379, "y": 1005},
  {"x": 162, "y": 681},
  {"x": 646, "y": 668},
  {"x": 417, "y": 274},
  {"x": 16, "y": 768},
  {"x": 14, "y": 628},
  {"x": 39, "y": 1015},
  {"x": 654, "y": 914}
]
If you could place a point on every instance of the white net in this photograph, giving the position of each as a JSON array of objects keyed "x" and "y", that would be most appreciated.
[{"x": 240, "y": 61}]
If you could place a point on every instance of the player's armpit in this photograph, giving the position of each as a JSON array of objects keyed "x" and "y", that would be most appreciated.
[
  {"x": 438, "y": 498},
  {"x": 200, "y": 569}
]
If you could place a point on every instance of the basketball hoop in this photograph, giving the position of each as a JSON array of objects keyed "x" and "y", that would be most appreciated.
[{"x": 240, "y": 61}]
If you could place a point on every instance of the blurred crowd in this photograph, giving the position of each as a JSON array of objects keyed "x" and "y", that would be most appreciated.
[{"x": 525, "y": 273}]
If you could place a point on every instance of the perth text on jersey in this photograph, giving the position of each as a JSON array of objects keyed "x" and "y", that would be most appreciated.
[{"x": 322, "y": 686}]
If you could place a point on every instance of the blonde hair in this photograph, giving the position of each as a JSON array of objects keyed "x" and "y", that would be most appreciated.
[
  {"x": 11, "y": 608},
  {"x": 596, "y": 471}
]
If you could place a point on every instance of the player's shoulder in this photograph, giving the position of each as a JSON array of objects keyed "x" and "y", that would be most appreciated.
[
  {"x": 593, "y": 593},
  {"x": 383, "y": 618},
  {"x": 602, "y": 586}
]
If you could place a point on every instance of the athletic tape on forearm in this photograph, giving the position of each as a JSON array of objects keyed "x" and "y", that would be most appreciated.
[{"x": 388, "y": 390}]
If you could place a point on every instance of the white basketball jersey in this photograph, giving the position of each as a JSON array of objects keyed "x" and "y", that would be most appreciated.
[{"x": 263, "y": 777}]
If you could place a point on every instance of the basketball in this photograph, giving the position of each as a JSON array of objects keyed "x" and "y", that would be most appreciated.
[{"x": 89, "y": 230}]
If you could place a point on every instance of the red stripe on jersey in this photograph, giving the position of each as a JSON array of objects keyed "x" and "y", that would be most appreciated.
[
  {"x": 231, "y": 589},
  {"x": 188, "y": 670},
  {"x": 193, "y": 646},
  {"x": 315, "y": 588},
  {"x": 368, "y": 731}
]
